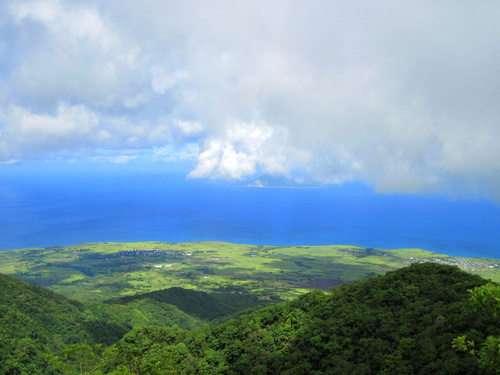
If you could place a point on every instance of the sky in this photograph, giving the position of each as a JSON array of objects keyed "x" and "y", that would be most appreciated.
[{"x": 401, "y": 95}]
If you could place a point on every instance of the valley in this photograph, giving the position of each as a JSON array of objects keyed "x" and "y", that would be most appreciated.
[{"x": 101, "y": 271}]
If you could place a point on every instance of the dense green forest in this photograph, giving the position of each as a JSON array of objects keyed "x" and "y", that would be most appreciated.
[
  {"x": 405, "y": 322},
  {"x": 35, "y": 321}
]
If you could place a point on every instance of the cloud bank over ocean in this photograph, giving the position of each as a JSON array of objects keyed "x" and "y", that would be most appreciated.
[{"x": 401, "y": 95}]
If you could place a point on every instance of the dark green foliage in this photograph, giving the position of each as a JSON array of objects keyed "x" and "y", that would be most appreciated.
[
  {"x": 203, "y": 305},
  {"x": 487, "y": 298},
  {"x": 56, "y": 321},
  {"x": 78, "y": 358},
  {"x": 403, "y": 322},
  {"x": 35, "y": 321},
  {"x": 143, "y": 312}
]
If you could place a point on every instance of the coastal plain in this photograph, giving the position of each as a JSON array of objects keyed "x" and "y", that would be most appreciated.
[{"x": 105, "y": 270}]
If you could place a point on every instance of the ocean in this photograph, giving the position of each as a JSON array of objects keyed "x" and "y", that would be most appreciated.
[{"x": 40, "y": 210}]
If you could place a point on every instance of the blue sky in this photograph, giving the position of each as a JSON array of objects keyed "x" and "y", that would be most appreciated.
[{"x": 400, "y": 95}]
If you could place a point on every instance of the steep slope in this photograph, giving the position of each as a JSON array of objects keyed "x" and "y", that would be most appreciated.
[
  {"x": 35, "y": 321},
  {"x": 403, "y": 322}
]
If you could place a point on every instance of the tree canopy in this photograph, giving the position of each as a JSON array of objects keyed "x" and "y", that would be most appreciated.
[{"x": 406, "y": 321}]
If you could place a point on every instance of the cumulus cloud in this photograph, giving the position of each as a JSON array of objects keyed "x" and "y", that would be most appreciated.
[
  {"x": 401, "y": 95},
  {"x": 241, "y": 149}
]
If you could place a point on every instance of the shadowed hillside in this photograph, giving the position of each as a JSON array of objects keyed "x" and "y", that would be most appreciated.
[{"x": 202, "y": 305}]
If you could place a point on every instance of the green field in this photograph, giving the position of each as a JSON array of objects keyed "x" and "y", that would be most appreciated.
[{"x": 100, "y": 271}]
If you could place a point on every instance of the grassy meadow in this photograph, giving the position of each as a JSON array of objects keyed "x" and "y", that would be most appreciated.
[{"x": 100, "y": 271}]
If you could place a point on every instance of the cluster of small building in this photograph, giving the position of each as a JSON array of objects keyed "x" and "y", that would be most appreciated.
[
  {"x": 150, "y": 253},
  {"x": 463, "y": 263}
]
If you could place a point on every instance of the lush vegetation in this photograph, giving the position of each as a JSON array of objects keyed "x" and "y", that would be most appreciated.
[
  {"x": 35, "y": 321},
  {"x": 101, "y": 271},
  {"x": 405, "y": 321},
  {"x": 485, "y": 297},
  {"x": 207, "y": 307}
]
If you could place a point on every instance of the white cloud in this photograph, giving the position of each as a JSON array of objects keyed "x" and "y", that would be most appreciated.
[
  {"x": 241, "y": 149},
  {"x": 170, "y": 153},
  {"x": 76, "y": 57},
  {"x": 70, "y": 24},
  {"x": 163, "y": 80},
  {"x": 402, "y": 95},
  {"x": 118, "y": 159},
  {"x": 8, "y": 162},
  {"x": 188, "y": 127},
  {"x": 26, "y": 133}
]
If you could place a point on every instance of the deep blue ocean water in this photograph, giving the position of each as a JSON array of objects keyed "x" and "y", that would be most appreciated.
[{"x": 43, "y": 210}]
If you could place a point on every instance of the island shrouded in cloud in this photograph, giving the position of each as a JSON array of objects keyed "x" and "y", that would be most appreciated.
[{"x": 401, "y": 95}]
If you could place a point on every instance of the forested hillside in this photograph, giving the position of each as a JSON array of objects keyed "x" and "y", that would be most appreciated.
[
  {"x": 35, "y": 321},
  {"x": 208, "y": 307},
  {"x": 402, "y": 322}
]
